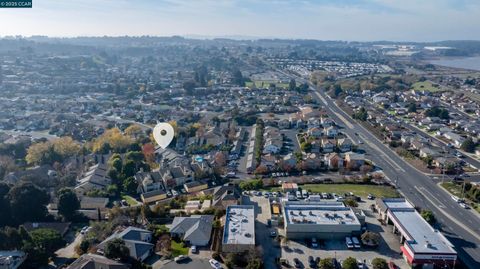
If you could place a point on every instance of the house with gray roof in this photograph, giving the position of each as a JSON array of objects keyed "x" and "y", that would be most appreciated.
[
  {"x": 137, "y": 241},
  {"x": 93, "y": 261},
  {"x": 195, "y": 230}
]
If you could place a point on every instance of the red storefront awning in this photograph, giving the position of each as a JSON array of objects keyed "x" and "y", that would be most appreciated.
[{"x": 407, "y": 254}]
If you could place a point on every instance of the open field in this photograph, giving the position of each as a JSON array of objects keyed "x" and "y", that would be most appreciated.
[
  {"x": 425, "y": 86},
  {"x": 265, "y": 84},
  {"x": 360, "y": 190}
]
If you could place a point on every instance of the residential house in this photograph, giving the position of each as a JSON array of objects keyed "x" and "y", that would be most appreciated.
[
  {"x": 153, "y": 196},
  {"x": 137, "y": 241},
  {"x": 315, "y": 132},
  {"x": 354, "y": 160},
  {"x": 95, "y": 178},
  {"x": 456, "y": 139},
  {"x": 225, "y": 195},
  {"x": 331, "y": 131},
  {"x": 429, "y": 151},
  {"x": 327, "y": 145},
  {"x": 195, "y": 186},
  {"x": 194, "y": 230},
  {"x": 333, "y": 160},
  {"x": 344, "y": 144},
  {"x": 94, "y": 261}
]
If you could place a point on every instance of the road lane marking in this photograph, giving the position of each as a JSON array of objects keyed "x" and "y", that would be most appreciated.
[
  {"x": 341, "y": 117},
  {"x": 425, "y": 191}
]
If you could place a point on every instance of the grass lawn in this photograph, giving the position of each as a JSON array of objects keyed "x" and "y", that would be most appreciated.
[
  {"x": 266, "y": 83},
  {"x": 178, "y": 248},
  {"x": 130, "y": 200},
  {"x": 360, "y": 190},
  {"x": 425, "y": 86}
]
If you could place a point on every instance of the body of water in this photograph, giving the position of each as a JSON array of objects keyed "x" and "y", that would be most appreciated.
[{"x": 472, "y": 63}]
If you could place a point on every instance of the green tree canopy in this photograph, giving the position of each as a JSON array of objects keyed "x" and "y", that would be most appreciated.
[
  {"x": 350, "y": 263},
  {"x": 68, "y": 203},
  {"x": 28, "y": 203},
  {"x": 326, "y": 263},
  {"x": 379, "y": 263},
  {"x": 116, "y": 249},
  {"x": 428, "y": 216},
  {"x": 468, "y": 145}
]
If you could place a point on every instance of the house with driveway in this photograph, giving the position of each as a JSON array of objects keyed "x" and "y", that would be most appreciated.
[
  {"x": 137, "y": 241},
  {"x": 195, "y": 230}
]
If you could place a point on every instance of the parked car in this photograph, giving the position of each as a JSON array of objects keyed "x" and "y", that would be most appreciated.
[
  {"x": 370, "y": 197},
  {"x": 311, "y": 262},
  {"x": 180, "y": 258},
  {"x": 349, "y": 243},
  {"x": 464, "y": 205},
  {"x": 215, "y": 264},
  {"x": 355, "y": 241},
  {"x": 297, "y": 263},
  {"x": 273, "y": 233},
  {"x": 193, "y": 249}
]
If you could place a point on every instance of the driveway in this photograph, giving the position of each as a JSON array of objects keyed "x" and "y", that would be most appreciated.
[
  {"x": 193, "y": 263},
  {"x": 270, "y": 248}
]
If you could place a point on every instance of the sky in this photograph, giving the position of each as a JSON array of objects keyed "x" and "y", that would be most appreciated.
[{"x": 361, "y": 20}]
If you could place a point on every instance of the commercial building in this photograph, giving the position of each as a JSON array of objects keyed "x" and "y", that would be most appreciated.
[
  {"x": 323, "y": 220},
  {"x": 422, "y": 244},
  {"x": 239, "y": 230}
]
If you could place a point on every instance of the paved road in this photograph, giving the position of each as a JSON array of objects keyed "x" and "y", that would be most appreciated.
[{"x": 459, "y": 225}]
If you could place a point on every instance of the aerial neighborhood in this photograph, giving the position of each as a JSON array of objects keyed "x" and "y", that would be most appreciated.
[{"x": 285, "y": 154}]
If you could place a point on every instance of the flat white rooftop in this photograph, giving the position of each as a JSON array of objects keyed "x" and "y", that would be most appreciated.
[
  {"x": 239, "y": 225},
  {"x": 419, "y": 235},
  {"x": 321, "y": 213},
  {"x": 397, "y": 203}
]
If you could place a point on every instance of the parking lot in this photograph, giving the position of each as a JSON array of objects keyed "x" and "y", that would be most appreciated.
[{"x": 389, "y": 247}]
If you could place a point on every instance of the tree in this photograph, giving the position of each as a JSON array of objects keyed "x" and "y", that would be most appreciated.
[
  {"x": 370, "y": 238},
  {"x": 129, "y": 168},
  {"x": 326, "y": 263},
  {"x": 292, "y": 85},
  {"x": 468, "y": 145},
  {"x": 134, "y": 130},
  {"x": 5, "y": 212},
  {"x": 255, "y": 263},
  {"x": 47, "y": 239},
  {"x": 116, "y": 249},
  {"x": 350, "y": 263},
  {"x": 51, "y": 151},
  {"x": 351, "y": 202},
  {"x": 28, "y": 203},
  {"x": 428, "y": 216},
  {"x": 379, "y": 263},
  {"x": 412, "y": 107},
  {"x": 130, "y": 185},
  {"x": 68, "y": 203}
]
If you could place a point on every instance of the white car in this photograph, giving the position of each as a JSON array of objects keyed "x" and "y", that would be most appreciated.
[
  {"x": 215, "y": 264},
  {"x": 464, "y": 205},
  {"x": 180, "y": 258}
]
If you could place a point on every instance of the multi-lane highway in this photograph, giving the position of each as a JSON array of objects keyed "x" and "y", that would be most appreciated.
[{"x": 460, "y": 226}]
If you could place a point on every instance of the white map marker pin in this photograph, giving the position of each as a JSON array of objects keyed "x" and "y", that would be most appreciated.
[{"x": 163, "y": 134}]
